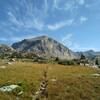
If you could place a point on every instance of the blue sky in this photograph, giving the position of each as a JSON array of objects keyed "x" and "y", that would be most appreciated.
[{"x": 75, "y": 23}]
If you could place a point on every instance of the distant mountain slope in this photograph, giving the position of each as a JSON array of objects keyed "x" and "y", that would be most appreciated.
[
  {"x": 44, "y": 46},
  {"x": 89, "y": 54}
]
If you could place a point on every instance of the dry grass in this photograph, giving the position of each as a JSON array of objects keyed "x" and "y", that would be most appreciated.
[{"x": 73, "y": 82}]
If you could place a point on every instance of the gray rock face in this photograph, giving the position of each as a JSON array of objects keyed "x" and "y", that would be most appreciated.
[{"x": 44, "y": 46}]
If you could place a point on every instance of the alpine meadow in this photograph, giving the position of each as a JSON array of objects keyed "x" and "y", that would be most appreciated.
[{"x": 49, "y": 50}]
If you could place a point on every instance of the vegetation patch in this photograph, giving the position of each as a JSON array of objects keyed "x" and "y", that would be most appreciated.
[{"x": 74, "y": 82}]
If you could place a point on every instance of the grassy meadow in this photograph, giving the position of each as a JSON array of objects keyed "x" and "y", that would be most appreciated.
[{"x": 64, "y": 82}]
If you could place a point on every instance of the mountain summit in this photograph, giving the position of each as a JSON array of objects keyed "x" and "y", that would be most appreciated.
[{"x": 44, "y": 46}]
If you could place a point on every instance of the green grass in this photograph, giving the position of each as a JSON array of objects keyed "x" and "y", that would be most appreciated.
[{"x": 73, "y": 82}]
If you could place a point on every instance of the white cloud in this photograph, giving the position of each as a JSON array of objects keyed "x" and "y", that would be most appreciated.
[
  {"x": 69, "y": 6},
  {"x": 83, "y": 19},
  {"x": 45, "y": 6},
  {"x": 38, "y": 24},
  {"x": 55, "y": 3},
  {"x": 24, "y": 15},
  {"x": 67, "y": 40},
  {"x": 81, "y": 2},
  {"x": 93, "y": 5},
  {"x": 62, "y": 5},
  {"x": 67, "y": 37},
  {"x": 33, "y": 18},
  {"x": 13, "y": 19},
  {"x": 61, "y": 24},
  {"x": 26, "y": 22}
]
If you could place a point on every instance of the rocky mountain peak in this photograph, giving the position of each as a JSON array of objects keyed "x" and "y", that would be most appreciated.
[{"x": 45, "y": 46}]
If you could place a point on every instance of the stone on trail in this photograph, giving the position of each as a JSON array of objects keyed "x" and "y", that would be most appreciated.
[
  {"x": 8, "y": 88},
  {"x": 96, "y": 75},
  {"x": 3, "y": 67}
]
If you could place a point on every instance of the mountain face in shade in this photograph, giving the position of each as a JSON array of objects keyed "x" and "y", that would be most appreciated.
[{"x": 45, "y": 46}]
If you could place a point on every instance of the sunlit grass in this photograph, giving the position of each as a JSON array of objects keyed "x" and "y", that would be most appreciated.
[{"x": 72, "y": 82}]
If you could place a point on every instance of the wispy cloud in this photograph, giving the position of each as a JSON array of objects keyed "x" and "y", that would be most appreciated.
[
  {"x": 68, "y": 5},
  {"x": 13, "y": 19},
  {"x": 83, "y": 19},
  {"x": 55, "y": 3},
  {"x": 46, "y": 6},
  {"x": 26, "y": 22},
  {"x": 60, "y": 25},
  {"x": 81, "y": 2},
  {"x": 27, "y": 15},
  {"x": 67, "y": 40}
]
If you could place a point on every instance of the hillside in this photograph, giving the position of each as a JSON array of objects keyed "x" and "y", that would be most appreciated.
[{"x": 45, "y": 47}]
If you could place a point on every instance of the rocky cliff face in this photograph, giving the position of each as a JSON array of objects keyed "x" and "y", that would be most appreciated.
[{"x": 44, "y": 46}]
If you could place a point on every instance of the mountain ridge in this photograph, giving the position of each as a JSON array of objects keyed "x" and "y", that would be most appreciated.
[{"x": 45, "y": 45}]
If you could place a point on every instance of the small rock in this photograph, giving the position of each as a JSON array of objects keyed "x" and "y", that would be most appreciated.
[
  {"x": 3, "y": 67},
  {"x": 9, "y": 63},
  {"x": 96, "y": 75},
  {"x": 8, "y": 88},
  {"x": 53, "y": 80},
  {"x": 20, "y": 93},
  {"x": 17, "y": 98}
]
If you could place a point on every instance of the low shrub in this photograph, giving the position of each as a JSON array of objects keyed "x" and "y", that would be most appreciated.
[{"x": 67, "y": 62}]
